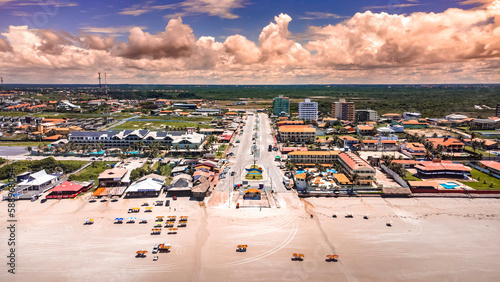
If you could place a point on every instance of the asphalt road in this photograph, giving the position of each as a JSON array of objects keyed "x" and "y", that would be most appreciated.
[
  {"x": 12, "y": 151},
  {"x": 243, "y": 158}
]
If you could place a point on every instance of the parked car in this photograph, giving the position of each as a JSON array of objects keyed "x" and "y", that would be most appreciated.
[
  {"x": 155, "y": 249},
  {"x": 174, "y": 198},
  {"x": 167, "y": 203},
  {"x": 233, "y": 173}
]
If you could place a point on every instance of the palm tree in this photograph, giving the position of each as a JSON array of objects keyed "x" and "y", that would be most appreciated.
[
  {"x": 355, "y": 178},
  {"x": 320, "y": 167},
  {"x": 168, "y": 147},
  {"x": 206, "y": 147},
  {"x": 289, "y": 165},
  {"x": 474, "y": 144},
  {"x": 428, "y": 155}
]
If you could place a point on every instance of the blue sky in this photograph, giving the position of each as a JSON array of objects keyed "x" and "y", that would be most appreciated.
[
  {"x": 250, "y": 41},
  {"x": 74, "y": 16}
]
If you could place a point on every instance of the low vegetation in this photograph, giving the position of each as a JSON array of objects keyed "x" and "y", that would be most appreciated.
[
  {"x": 49, "y": 164},
  {"x": 410, "y": 177},
  {"x": 484, "y": 181},
  {"x": 158, "y": 125},
  {"x": 91, "y": 172}
]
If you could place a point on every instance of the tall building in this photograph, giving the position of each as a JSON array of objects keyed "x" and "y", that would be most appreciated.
[
  {"x": 281, "y": 106},
  {"x": 343, "y": 110},
  {"x": 366, "y": 115},
  {"x": 498, "y": 111},
  {"x": 308, "y": 110}
]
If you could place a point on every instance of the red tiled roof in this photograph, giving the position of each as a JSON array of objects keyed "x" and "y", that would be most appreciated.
[
  {"x": 67, "y": 186},
  {"x": 441, "y": 165},
  {"x": 491, "y": 164},
  {"x": 365, "y": 127},
  {"x": 353, "y": 161},
  {"x": 409, "y": 162},
  {"x": 448, "y": 142}
]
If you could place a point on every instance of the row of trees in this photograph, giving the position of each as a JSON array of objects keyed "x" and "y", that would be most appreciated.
[{"x": 152, "y": 149}]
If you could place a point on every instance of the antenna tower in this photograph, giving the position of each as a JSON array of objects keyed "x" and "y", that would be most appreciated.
[{"x": 99, "y": 79}]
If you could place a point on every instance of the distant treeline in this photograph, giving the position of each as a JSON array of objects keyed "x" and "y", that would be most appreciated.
[{"x": 430, "y": 100}]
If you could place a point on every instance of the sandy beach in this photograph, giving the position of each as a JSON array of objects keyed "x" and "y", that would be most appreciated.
[{"x": 431, "y": 239}]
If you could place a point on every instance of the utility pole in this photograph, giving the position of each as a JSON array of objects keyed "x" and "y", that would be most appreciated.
[{"x": 106, "y": 84}]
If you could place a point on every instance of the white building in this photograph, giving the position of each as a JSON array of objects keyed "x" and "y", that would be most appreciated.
[
  {"x": 455, "y": 117},
  {"x": 408, "y": 115},
  {"x": 127, "y": 138},
  {"x": 308, "y": 110}
]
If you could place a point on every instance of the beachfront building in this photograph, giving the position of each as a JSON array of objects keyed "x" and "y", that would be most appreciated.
[
  {"x": 441, "y": 169},
  {"x": 366, "y": 115},
  {"x": 491, "y": 167},
  {"x": 343, "y": 110},
  {"x": 281, "y": 106},
  {"x": 308, "y": 110},
  {"x": 201, "y": 187},
  {"x": 127, "y": 138},
  {"x": 181, "y": 185},
  {"x": 297, "y": 133},
  {"x": 353, "y": 165},
  {"x": 310, "y": 158},
  {"x": 148, "y": 186},
  {"x": 111, "y": 183},
  {"x": 69, "y": 190},
  {"x": 39, "y": 181},
  {"x": 112, "y": 177}
]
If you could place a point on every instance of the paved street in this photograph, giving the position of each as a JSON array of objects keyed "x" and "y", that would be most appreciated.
[{"x": 243, "y": 158}]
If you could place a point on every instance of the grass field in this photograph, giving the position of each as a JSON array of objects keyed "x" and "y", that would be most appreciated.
[
  {"x": 193, "y": 119},
  {"x": 468, "y": 148},
  {"x": 410, "y": 177},
  {"x": 482, "y": 177},
  {"x": 91, "y": 172},
  {"x": 157, "y": 125}
]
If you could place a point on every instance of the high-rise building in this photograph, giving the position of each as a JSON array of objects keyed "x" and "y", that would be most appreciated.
[
  {"x": 281, "y": 106},
  {"x": 366, "y": 115},
  {"x": 498, "y": 111},
  {"x": 308, "y": 110},
  {"x": 343, "y": 110}
]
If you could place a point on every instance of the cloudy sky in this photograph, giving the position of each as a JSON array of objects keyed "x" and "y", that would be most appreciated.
[{"x": 250, "y": 41}]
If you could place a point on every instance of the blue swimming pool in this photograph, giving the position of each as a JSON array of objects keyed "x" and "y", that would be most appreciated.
[{"x": 449, "y": 185}]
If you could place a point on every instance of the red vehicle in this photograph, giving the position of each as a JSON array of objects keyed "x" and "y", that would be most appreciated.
[{"x": 174, "y": 198}]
